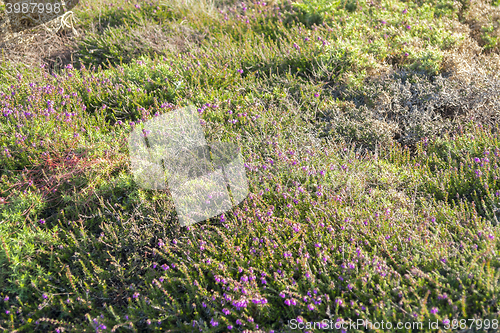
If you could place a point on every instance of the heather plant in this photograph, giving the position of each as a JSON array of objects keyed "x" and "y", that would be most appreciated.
[
  {"x": 483, "y": 20},
  {"x": 446, "y": 160},
  {"x": 408, "y": 106},
  {"x": 314, "y": 11},
  {"x": 345, "y": 43},
  {"x": 369, "y": 133}
]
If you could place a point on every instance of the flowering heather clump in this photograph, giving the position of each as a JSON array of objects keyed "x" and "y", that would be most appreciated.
[{"x": 372, "y": 156}]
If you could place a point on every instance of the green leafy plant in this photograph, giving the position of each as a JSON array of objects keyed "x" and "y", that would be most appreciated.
[{"x": 313, "y": 11}]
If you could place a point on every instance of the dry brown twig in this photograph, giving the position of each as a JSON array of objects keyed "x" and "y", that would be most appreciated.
[{"x": 65, "y": 21}]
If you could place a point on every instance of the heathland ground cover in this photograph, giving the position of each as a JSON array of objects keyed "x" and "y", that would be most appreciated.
[{"x": 370, "y": 133}]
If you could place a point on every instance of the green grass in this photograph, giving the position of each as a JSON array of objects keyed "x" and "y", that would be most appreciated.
[{"x": 373, "y": 169}]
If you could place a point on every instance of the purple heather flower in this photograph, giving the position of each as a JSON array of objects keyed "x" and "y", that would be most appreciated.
[
  {"x": 230, "y": 327},
  {"x": 44, "y": 296},
  {"x": 405, "y": 11},
  {"x": 6, "y": 298},
  {"x": 238, "y": 322},
  {"x": 434, "y": 310},
  {"x": 444, "y": 296},
  {"x": 42, "y": 221},
  {"x": 408, "y": 27}
]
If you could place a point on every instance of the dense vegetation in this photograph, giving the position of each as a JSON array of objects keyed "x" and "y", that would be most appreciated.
[{"x": 370, "y": 132}]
